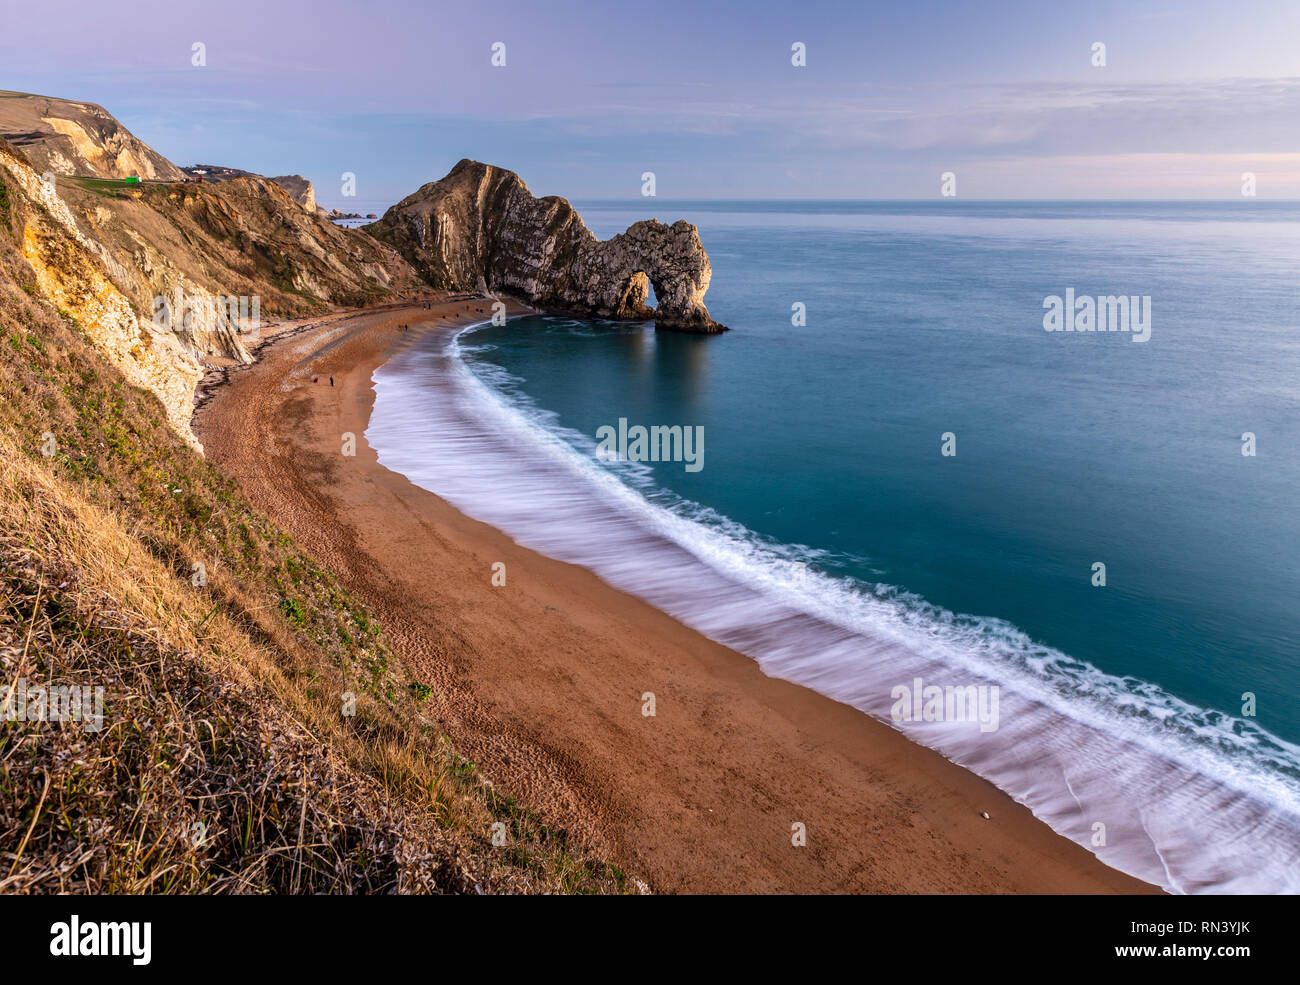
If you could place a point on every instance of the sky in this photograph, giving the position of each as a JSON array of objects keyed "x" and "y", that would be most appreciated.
[{"x": 1005, "y": 95}]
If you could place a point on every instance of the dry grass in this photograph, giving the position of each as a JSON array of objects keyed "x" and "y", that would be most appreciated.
[
  {"x": 225, "y": 700},
  {"x": 196, "y": 783}
]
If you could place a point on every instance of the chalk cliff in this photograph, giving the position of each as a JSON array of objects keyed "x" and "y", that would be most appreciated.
[
  {"x": 113, "y": 254},
  {"x": 480, "y": 228},
  {"x": 71, "y": 276},
  {"x": 73, "y": 138},
  {"x": 300, "y": 190}
]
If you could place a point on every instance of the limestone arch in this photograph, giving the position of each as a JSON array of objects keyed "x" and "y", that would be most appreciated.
[{"x": 634, "y": 294}]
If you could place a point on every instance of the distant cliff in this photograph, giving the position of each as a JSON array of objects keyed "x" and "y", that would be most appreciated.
[
  {"x": 479, "y": 228},
  {"x": 72, "y": 138},
  {"x": 299, "y": 188}
]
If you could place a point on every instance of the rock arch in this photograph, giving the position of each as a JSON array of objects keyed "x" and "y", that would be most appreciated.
[
  {"x": 671, "y": 258},
  {"x": 481, "y": 225},
  {"x": 632, "y": 297}
]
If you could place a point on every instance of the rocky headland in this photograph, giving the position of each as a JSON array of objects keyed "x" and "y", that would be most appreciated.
[
  {"x": 111, "y": 226},
  {"x": 480, "y": 228}
]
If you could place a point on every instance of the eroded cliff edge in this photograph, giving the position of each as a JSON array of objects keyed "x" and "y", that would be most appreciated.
[
  {"x": 105, "y": 250},
  {"x": 480, "y": 228}
]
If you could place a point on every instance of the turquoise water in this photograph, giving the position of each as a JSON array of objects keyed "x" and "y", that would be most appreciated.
[{"x": 823, "y": 447}]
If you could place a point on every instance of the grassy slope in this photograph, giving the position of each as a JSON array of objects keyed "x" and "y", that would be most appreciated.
[
  {"x": 226, "y": 762},
  {"x": 244, "y": 237}
]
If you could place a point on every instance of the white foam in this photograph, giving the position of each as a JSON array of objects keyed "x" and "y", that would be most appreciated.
[{"x": 1191, "y": 800}]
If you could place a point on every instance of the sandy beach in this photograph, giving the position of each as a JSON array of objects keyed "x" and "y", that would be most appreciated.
[{"x": 540, "y": 681}]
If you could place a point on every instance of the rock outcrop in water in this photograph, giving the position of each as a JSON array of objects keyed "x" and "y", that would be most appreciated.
[{"x": 479, "y": 228}]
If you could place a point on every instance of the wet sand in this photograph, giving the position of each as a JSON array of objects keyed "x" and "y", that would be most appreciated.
[{"x": 539, "y": 682}]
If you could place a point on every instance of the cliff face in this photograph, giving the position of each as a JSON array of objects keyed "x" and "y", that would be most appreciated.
[
  {"x": 244, "y": 237},
  {"x": 108, "y": 252},
  {"x": 72, "y": 138},
  {"x": 69, "y": 274},
  {"x": 479, "y": 228},
  {"x": 300, "y": 190}
]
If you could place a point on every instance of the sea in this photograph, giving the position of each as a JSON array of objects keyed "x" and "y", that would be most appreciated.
[{"x": 1067, "y": 560}]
